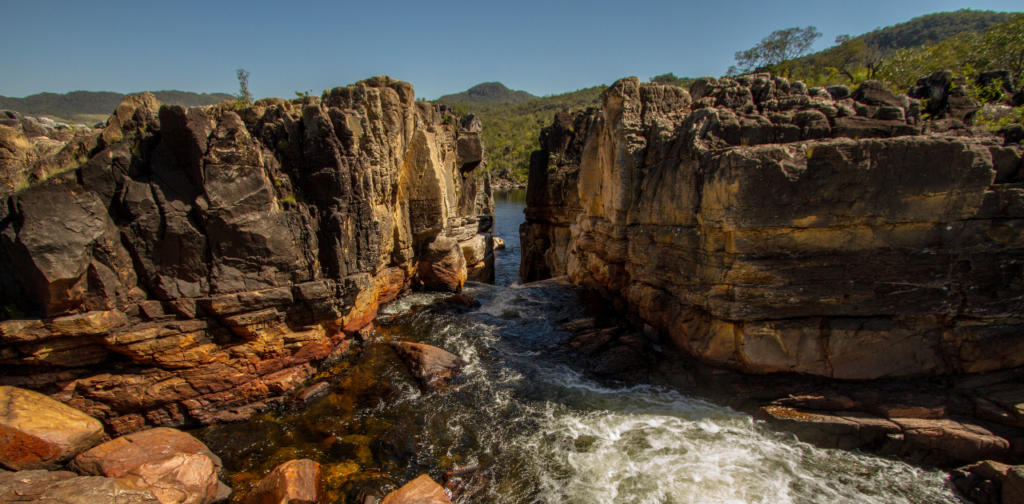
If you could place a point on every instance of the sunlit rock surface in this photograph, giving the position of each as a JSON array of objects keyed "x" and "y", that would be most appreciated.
[{"x": 770, "y": 228}]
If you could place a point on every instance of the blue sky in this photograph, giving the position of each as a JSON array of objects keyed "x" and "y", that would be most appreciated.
[{"x": 544, "y": 47}]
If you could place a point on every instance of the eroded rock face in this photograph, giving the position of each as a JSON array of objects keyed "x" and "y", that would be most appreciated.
[
  {"x": 770, "y": 228},
  {"x": 218, "y": 255},
  {"x": 37, "y": 432},
  {"x": 62, "y": 487}
]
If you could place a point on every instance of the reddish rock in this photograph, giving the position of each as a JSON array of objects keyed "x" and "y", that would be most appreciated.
[
  {"x": 947, "y": 442},
  {"x": 314, "y": 392},
  {"x": 293, "y": 482},
  {"x": 421, "y": 490},
  {"x": 37, "y": 432},
  {"x": 182, "y": 478},
  {"x": 118, "y": 456},
  {"x": 431, "y": 366}
]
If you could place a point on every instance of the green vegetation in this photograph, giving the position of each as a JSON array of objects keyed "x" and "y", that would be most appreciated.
[
  {"x": 244, "y": 97},
  {"x": 511, "y": 129},
  {"x": 899, "y": 54},
  {"x": 1000, "y": 47},
  {"x": 781, "y": 45},
  {"x": 90, "y": 107},
  {"x": 488, "y": 93},
  {"x": 670, "y": 79}
]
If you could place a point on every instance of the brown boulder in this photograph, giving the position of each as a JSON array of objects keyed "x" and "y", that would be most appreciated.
[
  {"x": 1013, "y": 486},
  {"x": 947, "y": 442},
  {"x": 433, "y": 367},
  {"x": 421, "y": 490},
  {"x": 499, "y": 244},
  {"x": 119, "y": 456},
  {"x": 293, "y": 482},
  {"x": 37, "y": 432},
  {"x": 442, "y": 267}
]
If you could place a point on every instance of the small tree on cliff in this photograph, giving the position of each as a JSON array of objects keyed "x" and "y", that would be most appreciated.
[
  {"x": 780, "y": 46},
  {"x": 244, "y": 96}
]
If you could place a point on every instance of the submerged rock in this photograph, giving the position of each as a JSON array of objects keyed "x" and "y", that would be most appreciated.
[
  {"x": 37, "y": 432},
  {"x": 421, "y": 490},
  {"x": 433, "y": 367}
]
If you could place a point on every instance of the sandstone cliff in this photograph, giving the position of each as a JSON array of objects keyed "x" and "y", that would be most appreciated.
[
  {"x": 770, "y": 228},
  {"x": 200, "y": 262}
]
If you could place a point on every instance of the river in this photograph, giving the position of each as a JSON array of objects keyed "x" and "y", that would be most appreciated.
[{"x": 540, "y": 430}]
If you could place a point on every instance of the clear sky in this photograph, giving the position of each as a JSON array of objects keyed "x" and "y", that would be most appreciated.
[{"x": 544, "y": 47}]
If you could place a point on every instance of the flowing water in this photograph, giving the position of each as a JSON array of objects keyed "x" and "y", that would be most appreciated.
[{"x": 539, "y": 430}]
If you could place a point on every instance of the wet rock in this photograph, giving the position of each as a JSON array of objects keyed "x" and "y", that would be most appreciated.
[
  {"x": 294, "y": 482},
  {"x": 848, "y": 431},
  {"x": 421, "y": 490},
  {"x": 315, "y": 392},
  {"x": 37, "y": 432},
  {"x": 118, "y": 456},
  {"x": 464, "y": 481},
  {"x": 433, "y": 367},
  {"x": 62, "y": 487},
  {"x": 464, "y": 300}
]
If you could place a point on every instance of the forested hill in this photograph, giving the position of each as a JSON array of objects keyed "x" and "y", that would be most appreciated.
[
  {"x": 86, "y": 105},
  {"x": 932, "y": 28},
  {"x": 488, "y": 93},
  {"x": 511, "y": 129}
]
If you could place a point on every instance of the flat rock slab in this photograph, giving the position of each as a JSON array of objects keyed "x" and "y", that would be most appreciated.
[
  {"x": 421, "y": 490},
  {"x": 118, "y": 456},
  {"x": 181, "y": 478},
  {"x": 848, "y": 431},
  {"x": 63, "y": 487},
  {"x": 293, "y": 482},
  {"x": 37, "y": 432},
  {"x": 432, "y": 366}
]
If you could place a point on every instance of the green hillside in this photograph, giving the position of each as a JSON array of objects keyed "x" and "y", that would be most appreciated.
[
  {"x": 511, "y": 129},
  {"x": 855, "y": 59},
  {"x": 488, "y": 93},
  {"x": 93, "y": 106}
]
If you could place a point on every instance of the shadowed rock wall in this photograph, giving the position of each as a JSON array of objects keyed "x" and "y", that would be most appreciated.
[
  {"x": 201, "y": 262},
  {"x": 767, "y": 227}
]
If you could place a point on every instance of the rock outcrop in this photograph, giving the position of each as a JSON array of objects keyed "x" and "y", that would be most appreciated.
[
  {"x": 37, "y": 432},
  {"x": 433, "y": 367},
  {"x": 293, "y": 482},
  {"x": 422, "y": 490},
  {"x": 195, "y": 265},
  {"x": 769, "y": 228}
]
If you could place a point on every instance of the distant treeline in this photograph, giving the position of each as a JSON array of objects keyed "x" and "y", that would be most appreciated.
[
  {"x": 511, "y": 130},
  {"x": 78, "y": 103}
]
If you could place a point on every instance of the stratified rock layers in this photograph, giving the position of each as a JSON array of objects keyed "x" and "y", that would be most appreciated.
[
  {"x": 769, "y": 228},
  {"x": 203, "y": 261}
]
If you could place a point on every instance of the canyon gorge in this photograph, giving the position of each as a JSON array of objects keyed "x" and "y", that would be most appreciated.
[{"x": 312, "y": 287}]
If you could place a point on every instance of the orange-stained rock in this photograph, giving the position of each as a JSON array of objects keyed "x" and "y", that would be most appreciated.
[
  {"x": 63, "y": 487},
  {"x": 37, "y": 432},
  {"x": 181, "y": 478},
  {"x": 88, "y": 324},
  {"x": 293, "y": 482},
  {"x": 421, "y": 490},
  {"x": 118, "y": 456},
  {"x": 432, "y": 366}
]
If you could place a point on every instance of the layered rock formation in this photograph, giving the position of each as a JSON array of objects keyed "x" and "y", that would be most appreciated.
[
  {"x": 201, "y": 262},
  {"x": 768, "y": 227}
]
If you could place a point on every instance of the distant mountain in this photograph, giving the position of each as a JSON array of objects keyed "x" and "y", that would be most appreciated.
[
  {"x": 488, "y": 93},
  {"x": 85, "y": 105}
]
